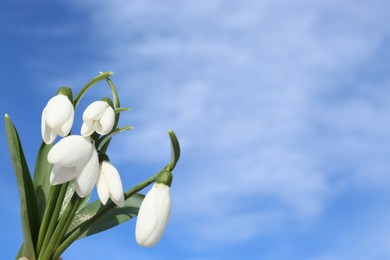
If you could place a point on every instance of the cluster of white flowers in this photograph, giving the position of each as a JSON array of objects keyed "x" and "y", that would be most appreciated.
[{"x": 75, "y": 157}]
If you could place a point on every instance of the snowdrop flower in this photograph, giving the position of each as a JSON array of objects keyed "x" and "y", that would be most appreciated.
[
  {"x": 109, "y": 184},
  {"x": 98, "y": 117},
  {"x": 57, "y": 118},
  {"x": 74, "y": 157},
  {"x": 153, "y": 214}
]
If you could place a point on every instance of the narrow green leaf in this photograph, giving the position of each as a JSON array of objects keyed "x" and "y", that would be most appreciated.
[
  {"x": 28, "y": 203},
  {"x": 68, "y": 195},
  {"x": 175, "y": 150},
  {"x": 111, "y": 219},
  {"x": 20, "y": 252},
  {"x": 84, "y": 203},
  {"x": 41, "y": 177},
  {"x": 121, "y": 109}
]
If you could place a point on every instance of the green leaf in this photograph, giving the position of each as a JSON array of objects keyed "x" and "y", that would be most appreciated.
[
  {"x": 112, "y": 218},
  {"x": 175, "y": 150},
  {"x": 84, "y": 203},
  {"x": 20, "y": 252},
  {"x": 28, "y": 203},
  {"x": 41, "y": 177},
  {"x": 121, "y": 109},
  {"x": 68, "y": 195}
]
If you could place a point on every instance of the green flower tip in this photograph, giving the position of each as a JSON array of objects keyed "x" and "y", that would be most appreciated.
[
  {"x": 165, "y": 177},
  {"x": 109, "y": 101},
  {"x": 103, "y": 157},
  {"x": 66, "y": 92}
]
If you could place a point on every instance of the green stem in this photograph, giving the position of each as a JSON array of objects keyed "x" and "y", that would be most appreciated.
[
  {"x": 102, "y": 76},
  {"x": 90, "y": 222},
  {"x": 114, "y": 92},
  {"x": 54, "y": 217},
  {"x": 62, "y": 226},
  {"x": 54, "y": 190},
  {"x": 116, "y": 105},
  {"x": 75, "y": 205}
]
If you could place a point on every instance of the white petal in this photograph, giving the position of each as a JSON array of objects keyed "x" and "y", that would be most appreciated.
[
  {"x": 102, "y": 188},
  {"x": 147, "y": 218},
  {"x": 97, "y": 127},
  {"x": 153, "y": 215},
  {"x": 107, "y": 121},
  {"x": 43, "y": 125},
  {"x": 87, "y": 175},
  {"x": 114, "y": 183},
  {"x": 87, "y": 128},
  {"x": 67, "y": 126},
  {"x": 47, "y": 135},
  {"x": 58, "y": 110},
  {"x": 163, "y": 213},
  {"x": 62, "y": 174},
  {"x": 95, "y": 110},
  {"x": 52, "y": 136},
  {"x": 71, "y": 151}
]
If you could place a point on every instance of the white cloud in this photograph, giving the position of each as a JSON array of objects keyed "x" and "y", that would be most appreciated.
[{"x": 249, "y": 87}]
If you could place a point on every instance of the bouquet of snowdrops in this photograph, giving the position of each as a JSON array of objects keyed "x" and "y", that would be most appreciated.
[{"x": 54, "y": 202}]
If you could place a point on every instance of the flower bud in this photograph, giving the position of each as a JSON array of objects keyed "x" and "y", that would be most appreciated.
[
  {"x": 98, "y": 117},
  {"x": 57, "y": 118},
  {"x": 153, "y": 215},
  {"x": 165, "y": 177},
  {"x": 109, "y": 184}
]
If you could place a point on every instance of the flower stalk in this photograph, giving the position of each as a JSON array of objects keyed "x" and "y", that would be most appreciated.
[
  {"x": 61, "y": 227},
  {"x": 54, "y": 217},
  {"x": 54, "y": 191}
]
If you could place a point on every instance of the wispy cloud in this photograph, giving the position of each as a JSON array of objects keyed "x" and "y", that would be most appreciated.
[{"x": 268, "y": 99}]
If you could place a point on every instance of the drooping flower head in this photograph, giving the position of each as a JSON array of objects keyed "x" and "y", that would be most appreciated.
[
  {"x": 98, "y": 117},
  {"x": 57, "y": 118},
  {"x": 74, "y": 157},
  {"x": 109, "y": 184},
  {"x": 153, "y": 215}
]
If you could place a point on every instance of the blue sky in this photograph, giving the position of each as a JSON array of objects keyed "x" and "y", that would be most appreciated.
[{"x": 281, "y": 108}]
